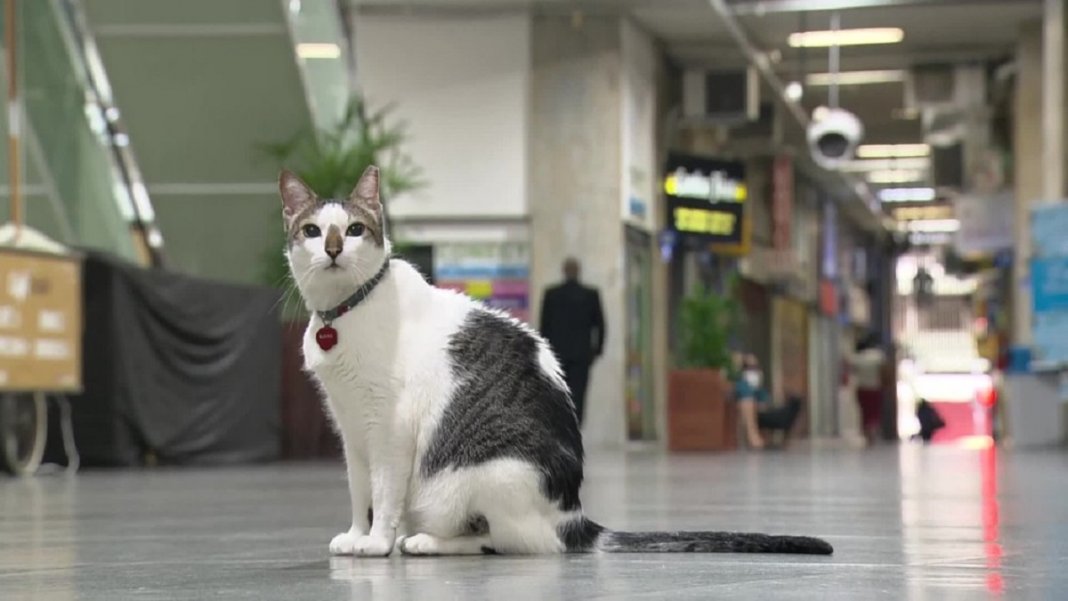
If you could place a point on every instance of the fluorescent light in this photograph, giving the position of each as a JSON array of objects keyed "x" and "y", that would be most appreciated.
[
  {"x": 895, "y": 176},
  {"x": 318, "y": 50},
  {"x": 856, "y": 78},
  {"x": 907, "y": 195},
  {"x": 923, "y": 212},
  {"x": 846, "y": 37},
  {"x": 887, "y": 164},
  {"x": 887, "y": 151},
  {"x": 934, "y": 226}
]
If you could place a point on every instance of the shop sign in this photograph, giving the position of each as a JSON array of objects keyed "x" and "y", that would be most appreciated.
[
  {"x": 40, "y": 322},
  {"x": 705, "y": 202}
]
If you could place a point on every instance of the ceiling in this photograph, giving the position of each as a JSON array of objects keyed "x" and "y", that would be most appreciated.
[
  {"x": 202, "y": 86},
  {"x": 693, "y": 34}
]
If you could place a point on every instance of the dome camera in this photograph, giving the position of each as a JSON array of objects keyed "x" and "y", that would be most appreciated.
[{"x": 833, "y": 136}]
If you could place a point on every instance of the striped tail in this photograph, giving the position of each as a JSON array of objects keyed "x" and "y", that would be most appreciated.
[{"x": 584, "y": 536}]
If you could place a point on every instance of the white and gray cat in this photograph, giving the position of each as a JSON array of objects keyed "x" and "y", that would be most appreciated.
[{"x": 456, "y": 422}]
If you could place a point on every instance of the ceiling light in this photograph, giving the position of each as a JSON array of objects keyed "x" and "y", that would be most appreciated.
[
  {"x": 887, "y": 164},
  {"x": 934, "y": 226},
  {"x": 856, "y": 78},
  {"x": 887, "y": 151},
  {"x": 794, "y": 91},
  {"x": 907, "y": 195},
  {"x": 923, "y": 212},
  {"x": 318, "y": 50},
  {"x": 895, "y": 176},
  {"x": 846, "y": 37}
]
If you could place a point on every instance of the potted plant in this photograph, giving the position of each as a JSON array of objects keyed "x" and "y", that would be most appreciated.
[
  {"x": 700, "y": 414},
  {"x": 330, "y": 161}
]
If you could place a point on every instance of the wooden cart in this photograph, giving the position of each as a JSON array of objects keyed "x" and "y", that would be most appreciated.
[{"x": 40, "y": 353}]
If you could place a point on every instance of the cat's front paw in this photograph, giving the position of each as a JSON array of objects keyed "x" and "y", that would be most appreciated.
[
  {"x": 373, "y": 546},
  {"x": 344, "y": 543},
  {"x": 348, "y": 543}
]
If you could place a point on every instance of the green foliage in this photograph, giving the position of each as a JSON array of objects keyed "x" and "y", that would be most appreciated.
[
  {"x": 707, "y": 323},
  {"x": 331, "y": 161}
]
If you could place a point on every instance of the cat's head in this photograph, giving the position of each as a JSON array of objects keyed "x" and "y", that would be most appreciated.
[{"x": 333, "y": 245}]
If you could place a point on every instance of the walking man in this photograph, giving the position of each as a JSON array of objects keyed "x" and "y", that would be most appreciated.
[{"x": 573, "y": 323}]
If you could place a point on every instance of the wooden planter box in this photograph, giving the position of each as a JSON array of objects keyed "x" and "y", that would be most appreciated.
[{"x": 701, "y": 414}]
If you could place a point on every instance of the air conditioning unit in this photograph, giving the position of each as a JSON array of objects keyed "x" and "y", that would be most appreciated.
[
  {"x": 945, "y": 87},
  {"x": 721, "y": 96}
]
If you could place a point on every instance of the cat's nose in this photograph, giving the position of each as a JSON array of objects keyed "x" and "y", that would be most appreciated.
[{"x": 333, "y": 253}]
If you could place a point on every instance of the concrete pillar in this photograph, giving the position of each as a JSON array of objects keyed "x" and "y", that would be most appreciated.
[
  {"x": 575, "y": 186},
  {"x": 1029, "y": 153},
  {"x": 1054, "y": 30}
]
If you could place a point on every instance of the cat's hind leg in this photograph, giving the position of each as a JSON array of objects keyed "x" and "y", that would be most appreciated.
[
  {"x": 428, "y": 544},
  {"x": 520, "y": 518},
  {"x": 524, "y": 534}
]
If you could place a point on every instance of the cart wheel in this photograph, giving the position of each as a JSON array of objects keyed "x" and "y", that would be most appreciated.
[{"x": 23, "y": 428}]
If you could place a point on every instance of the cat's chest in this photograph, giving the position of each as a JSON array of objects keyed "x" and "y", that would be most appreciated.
[{"x": 353, "y": 348}]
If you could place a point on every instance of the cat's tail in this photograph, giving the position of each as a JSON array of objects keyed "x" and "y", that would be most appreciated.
[{"x": 585, "y": 536}]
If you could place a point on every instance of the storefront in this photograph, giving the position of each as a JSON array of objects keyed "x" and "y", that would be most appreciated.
[{"x": 707, "y": 226}]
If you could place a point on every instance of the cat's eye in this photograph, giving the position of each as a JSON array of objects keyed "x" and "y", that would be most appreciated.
[
  {"x": 355, "y": 230},
  {"x": 312, "y": 231}
]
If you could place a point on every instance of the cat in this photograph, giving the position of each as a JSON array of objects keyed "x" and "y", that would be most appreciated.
[{"x": 458, "y": 430}]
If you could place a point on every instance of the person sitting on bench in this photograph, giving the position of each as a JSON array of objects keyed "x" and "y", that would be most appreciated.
[{"x": 754, "y": 405}]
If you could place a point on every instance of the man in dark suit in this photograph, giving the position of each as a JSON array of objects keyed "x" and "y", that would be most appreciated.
[{"x": 573, "y": 323}]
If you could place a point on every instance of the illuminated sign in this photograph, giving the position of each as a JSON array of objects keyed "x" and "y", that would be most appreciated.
[
  {"x": 715, "y": 187},
  {"x": 706, "y": 222},
  {"x": 706, "y": 202}
]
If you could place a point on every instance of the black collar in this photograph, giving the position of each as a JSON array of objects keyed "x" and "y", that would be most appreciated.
[{"x": 357, "y": 297}]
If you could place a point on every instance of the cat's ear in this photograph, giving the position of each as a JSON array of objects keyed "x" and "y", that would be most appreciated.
[
  {"x": 296, "y": 195},
  {"x": 366, "y": 192}
]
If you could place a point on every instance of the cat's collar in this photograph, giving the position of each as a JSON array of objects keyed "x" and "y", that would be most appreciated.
[{"x": 357, "y": 297}]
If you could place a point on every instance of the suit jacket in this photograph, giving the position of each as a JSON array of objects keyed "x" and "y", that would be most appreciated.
[{"x": 573, "y": 322}]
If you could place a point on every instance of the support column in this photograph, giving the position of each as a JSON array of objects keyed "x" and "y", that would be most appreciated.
[
  {"x": 576, "y": 185},
  {"x": 1029, "y": 155},
  {"x": 1054, "y": 31}
]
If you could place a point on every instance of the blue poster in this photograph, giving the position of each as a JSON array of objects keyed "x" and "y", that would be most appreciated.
[
  {"x": 1051, "y": 337},
  {"x": 1049, "y": 223},
  {"x": 1049, "y": 284}
]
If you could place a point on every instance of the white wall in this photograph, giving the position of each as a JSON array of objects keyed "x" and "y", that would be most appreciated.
[{"x": 462, "y": 85}]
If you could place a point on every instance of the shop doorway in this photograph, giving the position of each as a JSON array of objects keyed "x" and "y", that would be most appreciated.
[{"x": 641, "y": 424}]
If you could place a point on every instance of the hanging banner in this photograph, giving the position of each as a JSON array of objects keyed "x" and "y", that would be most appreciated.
[{"x": 782, "y": 201}]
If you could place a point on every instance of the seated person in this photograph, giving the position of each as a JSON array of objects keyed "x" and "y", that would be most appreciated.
[{"x": 754, "y": 405}]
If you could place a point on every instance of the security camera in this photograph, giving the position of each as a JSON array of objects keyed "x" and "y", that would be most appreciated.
[{"x": 833, "y": 136}]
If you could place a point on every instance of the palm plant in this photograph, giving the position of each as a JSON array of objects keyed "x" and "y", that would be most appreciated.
[
  {"x": 707, "y": 324},
  {"x": 331, "y": 160}
]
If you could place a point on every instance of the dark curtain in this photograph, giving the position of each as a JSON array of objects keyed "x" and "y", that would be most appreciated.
[{"x": 178, "y": 369}]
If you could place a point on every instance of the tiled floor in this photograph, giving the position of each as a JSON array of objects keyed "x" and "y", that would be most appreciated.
[{"x": 915, "y": 523}]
